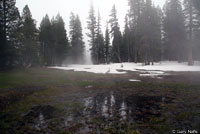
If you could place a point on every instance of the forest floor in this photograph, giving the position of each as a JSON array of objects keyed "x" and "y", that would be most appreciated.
[{"x": 51, "y": 101}]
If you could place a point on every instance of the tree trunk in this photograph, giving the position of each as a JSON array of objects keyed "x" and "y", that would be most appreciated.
[
  {"x": 190, "y": 54},
  {"x": 128, "y": 51},
  {"x": 135, "y": 53}
]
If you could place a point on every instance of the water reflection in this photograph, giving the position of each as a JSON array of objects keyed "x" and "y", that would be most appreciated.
[
  {"x": 105, "y": 108},
  {"x": 123, "y": 110},
  {"x": 112, "y": 103},
  {"x": 40, "y": 122},
  {"x": 121, "y": 107},
  {"x": 115, "y": 107}
]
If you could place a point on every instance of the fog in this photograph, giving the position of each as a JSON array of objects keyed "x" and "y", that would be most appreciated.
[
  {"x": 81, "y": 7},
  {"x": 153, "y": 35}
]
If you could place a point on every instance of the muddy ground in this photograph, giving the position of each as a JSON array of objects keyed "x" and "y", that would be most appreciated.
[{"x": 50, "y": 101}]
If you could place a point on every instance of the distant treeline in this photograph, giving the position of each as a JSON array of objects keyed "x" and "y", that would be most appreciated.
[{"x": 150, "y": 34}]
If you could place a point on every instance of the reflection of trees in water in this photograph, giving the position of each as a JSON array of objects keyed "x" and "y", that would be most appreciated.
[{"x": 123, "y": 108}]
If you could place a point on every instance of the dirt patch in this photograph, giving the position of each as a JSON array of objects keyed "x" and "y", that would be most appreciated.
[
  {"x": 13, "y": 95},
  {"x": 47, "y": 112},
  {"x": 37, "y": 120}
]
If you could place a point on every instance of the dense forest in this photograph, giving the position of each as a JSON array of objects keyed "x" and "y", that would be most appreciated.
[{"x": 150, "y": 34}]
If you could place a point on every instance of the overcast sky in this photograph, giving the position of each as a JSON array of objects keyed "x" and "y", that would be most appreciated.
[{"x": 40, "y": 7}]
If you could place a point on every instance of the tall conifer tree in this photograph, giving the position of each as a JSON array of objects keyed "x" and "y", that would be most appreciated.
[
  {"x": 116, "y": 35},
  {"x": 29, "y": 38},
  {"x": 76, "y": 39},
  {"x": 92, "y": 25},
  {"x": 107, "y": 46},
  {"x": 192, "y": 25},
  {"x": 9, "y": 20},
  {"x": 174, "y": 30}
]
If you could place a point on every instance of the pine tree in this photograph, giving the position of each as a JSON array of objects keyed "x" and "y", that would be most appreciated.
[
  {"x": 9, "y": 19},
  {"x": 76, "y": 39},
  {"x": 92, "y": 33},
  {"x": 144, "y": 26},
  {"x": 60, "y": 40},
  {"x": 135, "y": 11},
  {"x": 29, "y": 39},
  {"x": 107, "y": 46},
  {"x": 196, "y": 3},
  {"x": 16, "y": 43},
  {"x": 127, "y": 41},
  {"x": 174, "y": 31},
  {"x": 146, "y": 32},
  {"x": 45, "y": 36},
  {"x": 116, "y": 35},
  {"x": 99, "y": 42},
  {"x": 157, "y": 32},
  {"x": 192, "y": 25}
]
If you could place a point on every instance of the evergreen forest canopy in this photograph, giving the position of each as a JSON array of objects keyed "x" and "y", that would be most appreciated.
[{"x": 150, "y": 34}]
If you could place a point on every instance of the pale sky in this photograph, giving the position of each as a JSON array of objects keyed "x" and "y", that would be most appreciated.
[{"x": 40, "y": 7}]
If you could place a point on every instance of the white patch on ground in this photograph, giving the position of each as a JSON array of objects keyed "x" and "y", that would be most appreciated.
[
  {"x": 172, "y": 66},
  {"x": 134, "y": 80},
  {"x": 122, "y": 68},
  {"x": 105, "y": 69}
]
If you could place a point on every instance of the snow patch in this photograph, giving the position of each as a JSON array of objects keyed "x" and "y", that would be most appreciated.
[
  {"x": 122, "y": 68},
  {"x": 104, "y": 69}
]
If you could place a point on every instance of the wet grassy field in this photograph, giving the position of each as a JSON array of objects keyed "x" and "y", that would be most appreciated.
[{"x": 41, "y": 101}]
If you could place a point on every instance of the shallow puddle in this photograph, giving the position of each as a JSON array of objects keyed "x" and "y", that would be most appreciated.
[
  {"x": 153, "y": 74},
  {"x": 104, "y": 110}
]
